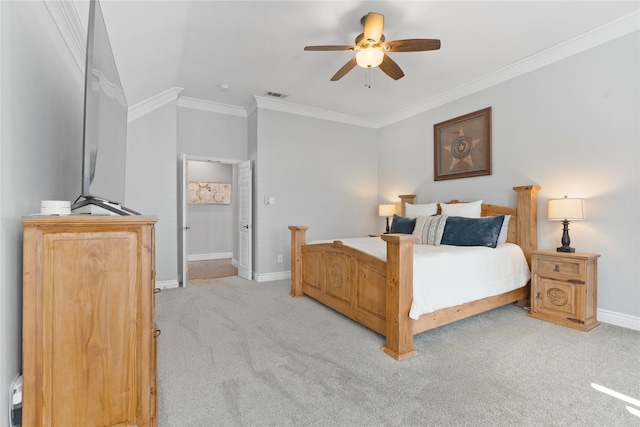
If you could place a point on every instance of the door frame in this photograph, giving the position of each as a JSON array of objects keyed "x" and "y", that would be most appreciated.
[{"x": 183, "y": 249}]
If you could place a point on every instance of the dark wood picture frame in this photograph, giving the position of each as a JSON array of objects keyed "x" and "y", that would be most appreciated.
[{"x": 462, "y": 146}]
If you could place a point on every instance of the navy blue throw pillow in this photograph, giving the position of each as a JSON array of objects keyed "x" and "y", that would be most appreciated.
[
  {"x": 402, "y": 225},
  {"x": 459, "y": 231}
]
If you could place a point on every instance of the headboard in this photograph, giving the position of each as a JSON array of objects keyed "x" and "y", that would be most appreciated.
[{"x": 523, "y": 226}]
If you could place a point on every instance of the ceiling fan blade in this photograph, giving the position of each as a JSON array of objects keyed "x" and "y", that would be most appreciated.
[
  {"x": 337, "y": 47},
  {"x": 390, "y": 68},
  {"x": 373, "y": 26},
  {"x": 413, "y": 45},
  {"x": 344, "y": 70}
]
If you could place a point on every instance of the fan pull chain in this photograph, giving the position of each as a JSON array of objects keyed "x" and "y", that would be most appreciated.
[{"x": 367, "y": 82}]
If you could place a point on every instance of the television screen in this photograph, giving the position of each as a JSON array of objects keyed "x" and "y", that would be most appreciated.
[{"x": 105, "y": 117}]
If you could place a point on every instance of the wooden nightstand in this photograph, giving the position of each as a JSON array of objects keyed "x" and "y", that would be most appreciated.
[{"x": 564, "y": 288}]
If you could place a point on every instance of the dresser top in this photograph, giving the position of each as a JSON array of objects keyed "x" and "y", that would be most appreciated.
[{"x": 87, "y": 219}]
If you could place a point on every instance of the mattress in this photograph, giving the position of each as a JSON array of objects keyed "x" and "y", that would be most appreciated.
[{"x": 446, "y": 276}]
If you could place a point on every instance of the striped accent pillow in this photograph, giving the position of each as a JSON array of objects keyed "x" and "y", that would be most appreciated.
[{"x": 429, "y": 229}]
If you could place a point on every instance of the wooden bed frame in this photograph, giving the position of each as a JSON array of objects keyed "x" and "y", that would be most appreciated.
[{"x": 378, "y": 294}]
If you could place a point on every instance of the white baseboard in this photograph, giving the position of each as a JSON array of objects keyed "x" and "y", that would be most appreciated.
[
  {"x": 205, "y": 257},
  {"x": 619, "y": 319},
  {"x": 167, "y": 284},
  {"x": 270, "y": 277}
]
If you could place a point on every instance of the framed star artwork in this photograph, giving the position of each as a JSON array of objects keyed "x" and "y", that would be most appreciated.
[{"x": 462, "y": 146}]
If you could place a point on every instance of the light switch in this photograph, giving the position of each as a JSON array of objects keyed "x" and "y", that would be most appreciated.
[{"x": 269, "y": 200}]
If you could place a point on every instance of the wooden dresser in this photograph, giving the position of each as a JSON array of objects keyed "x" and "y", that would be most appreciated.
[
  {"x": 564, "y": 288},
  {"x": 89, "y": 347}
]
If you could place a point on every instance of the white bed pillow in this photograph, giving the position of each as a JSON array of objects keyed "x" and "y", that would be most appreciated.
[
  {"x": 468, "y": 210},
  {"x": 414, "y": 211},
  {"x": 504, "y": 231}
]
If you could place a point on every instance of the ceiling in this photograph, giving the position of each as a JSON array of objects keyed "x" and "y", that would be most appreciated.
[{"x": 257, "y": 46}]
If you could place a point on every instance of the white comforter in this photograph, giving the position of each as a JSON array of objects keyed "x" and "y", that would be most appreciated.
[{"x": 446, "y": 276}]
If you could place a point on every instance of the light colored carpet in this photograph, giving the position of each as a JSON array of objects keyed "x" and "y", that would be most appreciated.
[{"x": 244, "y": 353}]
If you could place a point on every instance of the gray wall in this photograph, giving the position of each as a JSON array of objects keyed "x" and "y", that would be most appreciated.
[
  {"x": 571, "y": 127},
  {"x": 151, "y": 182},
  {"x": 213, "y": 135},
  {"x": 41, "y": 93},
  {"x": 322, "y": 174},
  {"x": 211, "y": 225}
]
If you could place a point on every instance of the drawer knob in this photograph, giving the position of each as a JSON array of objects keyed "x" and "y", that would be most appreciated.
[{"x": 556, "y": 268}]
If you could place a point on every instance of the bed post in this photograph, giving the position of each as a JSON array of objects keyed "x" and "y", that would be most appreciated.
[
  {"x": 399, "y": 294},
  {"x": 298, "y": 239},
  {"x": 527, "y": 224}
]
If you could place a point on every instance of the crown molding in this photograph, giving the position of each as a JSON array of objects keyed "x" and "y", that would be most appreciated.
[
  {"x": 212, "y": 107},
  {"x": 621, "y": 27},
  {"x": 145, "y": 107},
  {"x": 67, "y": 19},
  {"x": 318, "y": 113}
]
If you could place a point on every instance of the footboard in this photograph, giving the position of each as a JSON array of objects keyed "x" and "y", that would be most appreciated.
[{"x": 372, "y": 292}]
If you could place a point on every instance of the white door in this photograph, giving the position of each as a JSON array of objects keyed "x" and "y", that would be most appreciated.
[
  {"x": 183, "y": 222},
  {"x": 245, "y": 225}
]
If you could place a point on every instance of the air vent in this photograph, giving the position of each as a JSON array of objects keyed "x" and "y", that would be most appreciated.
[{"x": 276, "y": 94}]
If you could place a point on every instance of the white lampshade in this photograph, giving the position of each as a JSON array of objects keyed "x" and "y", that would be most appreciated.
[
  {"x": 369, "y": 57},
  {"x": 386, "y": 210},
  {"x": 569, "y": 209}
]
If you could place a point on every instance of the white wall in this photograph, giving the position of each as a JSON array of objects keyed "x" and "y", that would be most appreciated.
[
  {"x": 40, "y": 151},
  {"x": 571, "y": 127},
  {"x": 322, "y": 174}
]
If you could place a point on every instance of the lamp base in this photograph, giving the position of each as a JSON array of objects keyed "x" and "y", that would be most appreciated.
[{"x": 566, "y": 241}]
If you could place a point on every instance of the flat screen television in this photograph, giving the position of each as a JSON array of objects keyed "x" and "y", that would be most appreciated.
[{"x": 104, "y": 146}]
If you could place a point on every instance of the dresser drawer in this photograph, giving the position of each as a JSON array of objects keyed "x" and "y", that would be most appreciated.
[{"x": 558, "y": 267}]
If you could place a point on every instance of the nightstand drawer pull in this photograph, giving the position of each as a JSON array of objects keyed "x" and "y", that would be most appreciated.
[
  {"x": 556, "y": 268},
  {"x": 576, "y": 281}
]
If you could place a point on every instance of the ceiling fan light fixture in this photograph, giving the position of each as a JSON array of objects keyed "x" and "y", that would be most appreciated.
[{"x": 369, "y": 57}]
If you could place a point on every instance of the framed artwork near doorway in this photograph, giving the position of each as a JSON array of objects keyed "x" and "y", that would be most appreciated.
[{"x": 209, "y": 193}]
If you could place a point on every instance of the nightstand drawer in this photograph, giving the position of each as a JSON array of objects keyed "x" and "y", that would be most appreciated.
[{"x": 558, "y": 267}]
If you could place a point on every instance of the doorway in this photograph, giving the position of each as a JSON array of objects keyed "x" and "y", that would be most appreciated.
[
  {"x": 211, "y": 269},
  {"x": 214, "y": 218}
]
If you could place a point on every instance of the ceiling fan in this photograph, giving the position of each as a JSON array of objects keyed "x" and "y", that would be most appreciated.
[{"x": 371, "y": 48}]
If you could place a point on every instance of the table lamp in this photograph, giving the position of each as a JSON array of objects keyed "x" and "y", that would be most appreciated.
[
  {"x": 386, "y": 210},
  {"x": 565, "y": 210}
]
